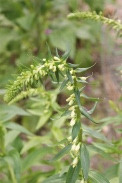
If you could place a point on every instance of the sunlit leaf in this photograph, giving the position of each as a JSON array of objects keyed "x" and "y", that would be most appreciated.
[
  {"x": 34, "y": 157},
  {"x": 64, "y": 151}
]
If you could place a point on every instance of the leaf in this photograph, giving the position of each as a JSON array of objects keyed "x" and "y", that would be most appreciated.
[
  {"x": 97, "y": 177},
  {"x": 63, "y": 84},
  {"x": 49, "y": 52},
  {"x": 57, "y": 133},
  {"x": 86, "y": 114},
  {"x": 76, "y": 129},
  {"x": 95, "y": 134},
  {"x": 69, "y": 76},
  {"x": 10, "y": 136},
  {"x": 43, "y": 119},
  {"x": 92, "y": 110},
  {"x": 7, "y": 112},
  {"x": 85, "y": 163},
  {"x": 57, "y": 74},
  {"x": 112, "y": 172},
  {"x": 34, "y": 157},
  {"x": 83, "y": 69},
  {"x": 13, "y": 159},
  {"x": 77, "y": 95},
  {"x": 55, "y": 179},
  {"x": 57, "y": 54},
  {"x": 82, "y": 109},
  {"x": 66, "y": 54},
  {"x": 115, "y": 180},
  {"x": 35, "y": 141},
  {"x": 16, "y": 127},
  {"x": 90, "y": 98},
  {"x": 100, "y": 151},
  {"x": 72, "y": 65},
  {"x": 26, "y": 22},
  {"x": 64, "y": 151},
  {"x": 73, "y": 173}
]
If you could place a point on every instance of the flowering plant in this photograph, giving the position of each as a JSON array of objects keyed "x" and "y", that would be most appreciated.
[{"x": 68, "y": 76}]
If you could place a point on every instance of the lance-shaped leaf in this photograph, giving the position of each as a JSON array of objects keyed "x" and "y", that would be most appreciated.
[
  {"x": 92, "y": 110},
  {"x": 86, "y": 114},
  {"x": 76, "y": 129},
  {"x": 97, "y": 177},
  {"x": 95, "y": 134},
  {"x": 90, "y": 98},
  {"x": 69, "y": 76},
  {"x": 49, "y": 52},
  {"x": 57, "y": 74},
  {"x": 66, "y": 54},
  {"x": 77, "y": 95},
  {"x": 72, "y": 65},
  {"x": 101, "y": 152},
  {"x": 85, "y": 163},
  {"x": 83, "y": 69},
  {"x": 57, "y": 53},
  {"x": 55, "y": 179},
  {"x": 63, "y": 84},
  {"x": 72, "y": 174},
  {"x": 64, "y": 151}
]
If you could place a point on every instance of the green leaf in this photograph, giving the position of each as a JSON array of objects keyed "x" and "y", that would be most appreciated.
[
  {"x": 100, "y": 151},
  {"x": 7, "y": 112},
  {"x": 95, "y": 134},
  {"x": 13, "y": 159},
  {"x": 72, "y": 65},
  {"x": 63, "y": 84},
  {"x": 57, "y": 74},
  {"x": 10, "y": 136},
  {"x": 73, "y": 173},
  {"x": 57, "y": 54},
  {"x": 49, "y": 52},
  {"x": 35, "y": 141},
  {"x": 97, "y": 177},
  {"x": 57, "y": 133},
  {"x": 66, "y": 54},
  {"x": 76, "y": 129},
  {"x": 69, "y": 76},
  {"x": 77, "y": 95},
  {"x": 92, "y": 110},
  {"x": 83, "y": 69},
  {"x": 16, "y": 127},
  {"x": 86, "y": 114},
  {"x": 115, "y": 180},
  {"x": 64, "y": 151},
  {"x": 85, "y": 163},
  {"x": 82, "y": 109},
  {"x": 43, "y": 119},
  {"x": 90, "y": 98},
  {"x": 112, "y": 172},
  {"x": 55, "y": 179},
  {"x": 34, "y": 157},
  {"x": 26, "y": 22}
]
